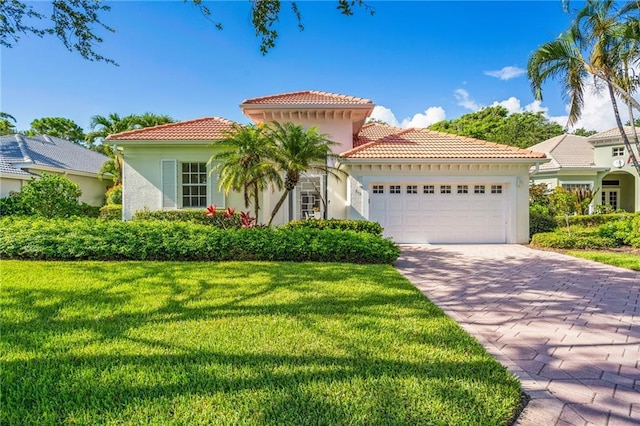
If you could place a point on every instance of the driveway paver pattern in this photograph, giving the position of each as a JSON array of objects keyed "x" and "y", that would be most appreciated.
[{"x": 568, "y": 328}]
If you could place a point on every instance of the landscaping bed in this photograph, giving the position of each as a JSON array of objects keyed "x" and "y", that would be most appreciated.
[
  {"x": 237, "y": 343},
  {"x": 92, "y": 239}
]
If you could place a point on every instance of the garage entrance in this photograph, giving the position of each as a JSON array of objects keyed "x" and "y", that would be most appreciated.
[{"x": 441, "y": 212}]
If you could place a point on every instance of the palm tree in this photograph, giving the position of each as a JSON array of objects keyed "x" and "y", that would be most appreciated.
[
  {"x": 245, "y": 165},
  {"x": 296, "y": 151},
  {"x": 102, "y": 127},
  {"x": 598, "y": 30}
]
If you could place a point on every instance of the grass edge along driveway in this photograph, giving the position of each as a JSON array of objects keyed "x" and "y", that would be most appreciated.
[{"x": 237, "y": 343}]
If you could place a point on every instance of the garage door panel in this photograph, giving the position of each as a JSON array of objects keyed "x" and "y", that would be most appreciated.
[{"x": 442, "y": 217}]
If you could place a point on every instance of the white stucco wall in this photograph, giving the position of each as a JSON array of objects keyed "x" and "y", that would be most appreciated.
[
  {"x": 142, "y": 176},
  {"x": 515, "y": 179}
]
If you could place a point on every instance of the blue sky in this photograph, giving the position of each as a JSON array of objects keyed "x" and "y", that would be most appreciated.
[{"x": 418, "y": 61}]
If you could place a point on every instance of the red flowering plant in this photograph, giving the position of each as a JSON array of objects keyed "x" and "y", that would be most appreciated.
[
  {"x": 224, "y": 219},
  {"x": 246, "y": 220}
]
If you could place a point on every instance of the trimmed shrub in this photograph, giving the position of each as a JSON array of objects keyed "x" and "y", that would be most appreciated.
[
  {"x": 81, "y": 238},
  {"x": 51, "y": 196},
  {"x": 88, "y": 210},
  {"x": 539, "y": 221},
  {"x": 372, "y": 228},
  {"x": 12, "y": 205},
  {"x": 593, "y": 219},
  {"x": 111, "y": 212},
  {"x": 114, "y": 195},
  {"x": 563, "y": 240},
  {"x": 219, "y": 220}
]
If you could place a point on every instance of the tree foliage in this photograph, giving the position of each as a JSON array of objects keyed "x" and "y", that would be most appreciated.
[
  {"x": 495, "y": 124},
  {"x": 7, "y": 124},
  {"x": 51, "y": 196},
  {"x": 583, "y": 132},
  {"x": 77, "y": 22},
  {"x": 601, "y": 43},
  {"x": 244, "y": 165},
  {"x": 57, "y": 126},
  {"x": 74, "y": 22}
]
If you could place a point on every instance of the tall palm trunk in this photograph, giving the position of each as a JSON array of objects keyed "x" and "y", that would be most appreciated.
[
  {"x": 279, "y": 204},
  {"x": 625, "y": 139},
  {"x": 256, "y": 200}
]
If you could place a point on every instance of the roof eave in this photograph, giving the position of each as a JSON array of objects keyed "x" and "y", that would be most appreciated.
[
  {"x": 348, "y": 160},
  {"x": 155, "y": 142}
]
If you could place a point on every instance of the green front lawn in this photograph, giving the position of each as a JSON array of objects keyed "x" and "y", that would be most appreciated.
[
  {"x": 237, "y": 343},
  {"x": 624, "y": 260}
]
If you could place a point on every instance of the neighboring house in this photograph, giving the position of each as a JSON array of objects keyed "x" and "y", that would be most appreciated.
[
  {"x": 599, "y": 162},
  {"x": 25, "y": 157},
  {"x": 422, "y": 186}
]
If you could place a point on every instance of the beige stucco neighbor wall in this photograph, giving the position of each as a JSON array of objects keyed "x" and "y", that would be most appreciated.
[
  {"x": 93, "y": 189},
  {"x": 142, "y": 176},
  {"x": 515, "y": 178},
  {"x": 8, "y": 185}
]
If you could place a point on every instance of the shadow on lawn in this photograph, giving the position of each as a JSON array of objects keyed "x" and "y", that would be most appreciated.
[{"x": 108, "y": 370}]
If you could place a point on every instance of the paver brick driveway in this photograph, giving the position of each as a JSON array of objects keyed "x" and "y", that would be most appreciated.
[{"x": 569, "y": 328}]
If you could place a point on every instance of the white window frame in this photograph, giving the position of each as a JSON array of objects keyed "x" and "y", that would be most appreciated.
[
  {"x": 617, "y": 151},
  {"x": 182, "y": 184},
  {"x": 585, "y": 183}
]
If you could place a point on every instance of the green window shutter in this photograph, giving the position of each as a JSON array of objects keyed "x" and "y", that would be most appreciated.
[
  {"x": 169, "y": 184},
  {"x": 216, "y": 197}
]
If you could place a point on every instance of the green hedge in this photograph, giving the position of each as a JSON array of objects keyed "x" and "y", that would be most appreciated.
[
  {"x": 373, "y": 228},
  {"x": 593, "y": 219},
  {"x": 541, "y": 222},
  {"x": 192, "y": 216},
  {"x": 70, "y": 239},
  {"x": 563, "y": 240},
  {"x": 111, "y": 212}
]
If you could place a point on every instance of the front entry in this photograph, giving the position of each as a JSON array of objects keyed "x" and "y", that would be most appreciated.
[{"x": 610, "y": 196}]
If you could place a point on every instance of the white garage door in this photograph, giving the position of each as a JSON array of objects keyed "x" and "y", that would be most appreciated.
[{"x": 441, "y": 212}]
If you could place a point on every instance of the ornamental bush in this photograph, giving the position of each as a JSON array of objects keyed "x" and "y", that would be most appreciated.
[
  {"x": 373, "y": 228},
  {"x": 91, "y": 239},
  {"x": 51, "y": 196},
  {"x": 563, "y": 240},
  {"x": 593, "y": 219},
  {"x": 221, "y": 219},
  {"x": 111, "y": 212},
  {"x": 540, "y": 220}
]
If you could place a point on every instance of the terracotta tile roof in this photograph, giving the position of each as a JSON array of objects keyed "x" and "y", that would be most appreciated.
[
  {"x": 566, "y": 151},
  {"x": 202, "y": 129},
  {"x": 428, "y": 144},
  {"x": 372, "y": 132},
  {"x": 613, "y": 133},
  {"x": 307, "y": 97}
]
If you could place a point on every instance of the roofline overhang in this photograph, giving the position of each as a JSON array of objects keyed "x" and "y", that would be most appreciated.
[
  {"x": 571, "y": 169},
  {"x": 15, "y": 176},
  {"x": 152, "y": 142},
  {"x": 43, "y": 168},
  {"x": 306, "y": 106},
  {"x": 531, "y": 161}
]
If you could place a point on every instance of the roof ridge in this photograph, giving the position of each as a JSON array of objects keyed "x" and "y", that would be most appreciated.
[
  {"x": 169, "y": 125},
  {"x": 23, "y": 149},
  {"x": 340, "y": 96}
]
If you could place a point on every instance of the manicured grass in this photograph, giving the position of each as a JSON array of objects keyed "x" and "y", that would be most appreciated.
[
  {"x": 237, "y": 343},
  {"x": 624, "y": 260}
]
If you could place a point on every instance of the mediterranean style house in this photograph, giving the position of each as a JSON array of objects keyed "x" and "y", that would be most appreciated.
[
  {"x": 422, "y": 186},
  {"x": 25, "y": 157},
  {"x": 600, "y": 162}
]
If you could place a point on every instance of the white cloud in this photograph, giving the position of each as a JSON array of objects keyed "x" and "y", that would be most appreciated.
[
  {"x": 506, "y": 73},
  {"x": 512, "y": 104},
  {"x": 421, "y": 119},
  {"x": 597, "y": 113},
  {"x": 384, "y": 114},
  {"x": 430, "y": 116},
  {"x": 464, "y": 100}
]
